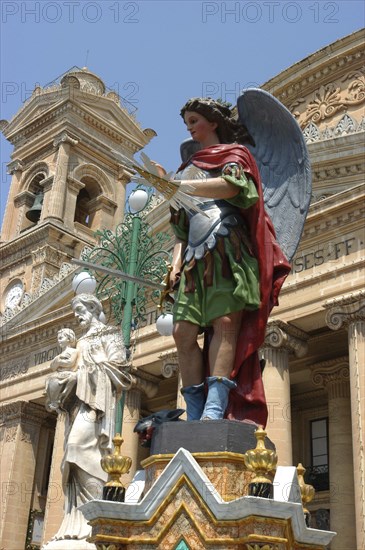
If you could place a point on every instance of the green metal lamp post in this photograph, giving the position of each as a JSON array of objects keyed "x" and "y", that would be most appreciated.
[{"x": 133, "y": 251}]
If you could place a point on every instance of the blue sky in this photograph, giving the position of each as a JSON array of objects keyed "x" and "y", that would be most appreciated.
[{"x": 157, "y": 54}]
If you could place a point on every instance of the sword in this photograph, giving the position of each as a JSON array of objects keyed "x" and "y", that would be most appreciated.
[{"x": 119, "y": 274}]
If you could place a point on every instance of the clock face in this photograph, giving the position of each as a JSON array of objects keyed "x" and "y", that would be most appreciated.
[{"x": 13, "y": 295}]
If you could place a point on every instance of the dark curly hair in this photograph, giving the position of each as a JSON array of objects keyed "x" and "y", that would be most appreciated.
[{"x": 229, "y": 129}]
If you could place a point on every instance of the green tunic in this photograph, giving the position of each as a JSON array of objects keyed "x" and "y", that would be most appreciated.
[{"x": 227, "y": 278}]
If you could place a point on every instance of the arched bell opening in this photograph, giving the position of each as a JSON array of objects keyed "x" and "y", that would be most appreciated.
[
  {"x": 86, "y": 202},
  {"x": 33, "y": 200}
]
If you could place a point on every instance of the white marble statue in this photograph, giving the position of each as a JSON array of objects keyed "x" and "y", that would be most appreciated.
[
  {"x": 86, "y": 385},
  {"x": 61, "y": 382}
]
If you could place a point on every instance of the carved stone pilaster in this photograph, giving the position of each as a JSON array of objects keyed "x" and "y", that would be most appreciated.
[
  {"x": 170, "y": 363},
  {"x": 341, "y": 312},
  {"x": 333, "y": 376},
  {"x": 280, "y": 335}
]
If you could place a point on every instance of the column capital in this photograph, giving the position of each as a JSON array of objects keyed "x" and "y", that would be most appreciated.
[
  {"x": 15, "y": 165},
  {"x": 144, "y": 382},
  {"x": 74, "y": 184},
  {"x": 64, "y": 137},
  {"x": 282, "y": 335},
  {"x": 47, "y": 183},
  {"x": 343, "y": 311},
  {"x": 334, "y": 376},
  {"x": 31, "y": 413},
  {"x": 124, "y": 175},
  {"x": 170, "y": 363}
]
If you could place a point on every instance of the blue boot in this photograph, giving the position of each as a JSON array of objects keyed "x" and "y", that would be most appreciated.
[
  {"x": 217, "y": 399},
  {"x": 195, "y": 399}
]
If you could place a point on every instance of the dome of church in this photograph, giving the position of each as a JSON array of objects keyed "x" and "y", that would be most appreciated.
[{"x": 85, "y": 80}]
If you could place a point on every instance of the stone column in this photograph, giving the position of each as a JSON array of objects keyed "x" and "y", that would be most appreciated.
[
  {"x": 170, "y": 368},
  {"x": 131, "y": 415},
  {"x": 56, "y": 206},
  {"x": 55, "y": 495},
  {"x": 334, "y": 376},
  {"x": 15, "y": 168},
  {"x": 74, "y": 188},
  {"x": 20, "y": 426},
  {"x": 281, "y": 340},
  {"x": 349, "y": 312}
]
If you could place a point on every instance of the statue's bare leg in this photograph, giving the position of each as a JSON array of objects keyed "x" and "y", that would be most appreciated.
[
  {"x": 189, "y": 353},
  {"x": 222, "y": 351},
  {"x": 222, "y": 348}
]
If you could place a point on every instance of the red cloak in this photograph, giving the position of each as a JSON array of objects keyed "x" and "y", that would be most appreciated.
[{"x": 248, "y": 402}]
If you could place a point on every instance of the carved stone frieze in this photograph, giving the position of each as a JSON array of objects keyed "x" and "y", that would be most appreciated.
[
  {"x": 14, "y": 368},
  {"x": 332, "y": 172},
  {"x": 347, "y": 125},
  {"x": 22, "y": 411},
  {"x": 46, "y": 254},
  {"x": 343, "y": 311},
  {"x": 10, "y": 434},
  {"x": 285, "y": 336}
]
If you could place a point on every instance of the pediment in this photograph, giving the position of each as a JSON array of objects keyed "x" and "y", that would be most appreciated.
[
  {"x": 107, "y": 110},
  {"x": 103, "y": 112},
  {"x": 38, "y": 106},
  {"x": 53, "y": 294}
]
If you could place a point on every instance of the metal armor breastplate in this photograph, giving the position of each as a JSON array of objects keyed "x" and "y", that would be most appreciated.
[{"x": 219, "y": 217}]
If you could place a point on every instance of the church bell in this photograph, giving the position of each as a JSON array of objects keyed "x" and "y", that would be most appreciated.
[{"x": 35, "y": 212}]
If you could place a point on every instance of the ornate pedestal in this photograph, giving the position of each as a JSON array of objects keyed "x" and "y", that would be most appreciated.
[{"x": 198, "y": 500}]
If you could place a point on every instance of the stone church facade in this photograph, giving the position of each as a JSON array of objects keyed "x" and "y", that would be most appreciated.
[{"x": 63, "y": 139}]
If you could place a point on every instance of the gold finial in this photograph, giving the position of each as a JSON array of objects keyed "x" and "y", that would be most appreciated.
[
  {"x": 307, "y": 491},
  {"x": 116, "y": 464},
  {"x": 262, "y": 462}
]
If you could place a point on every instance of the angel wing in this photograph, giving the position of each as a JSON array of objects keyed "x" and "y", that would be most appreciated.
[{"x": 283, "y": 161}]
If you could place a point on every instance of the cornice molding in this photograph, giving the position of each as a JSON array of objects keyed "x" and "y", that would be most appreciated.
[
  {"x": 331, "y": 172},
  {"x": 338, "y": 58}
]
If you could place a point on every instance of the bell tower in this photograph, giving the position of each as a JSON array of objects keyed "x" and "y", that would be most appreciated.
[{"x": 66, "y": 181}]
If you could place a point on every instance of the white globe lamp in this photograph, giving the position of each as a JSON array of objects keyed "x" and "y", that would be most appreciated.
[
  {"x": 138, "y": 200},
  {"x": 165, "y": 324},
  {"x": 84, "y": 283}
]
